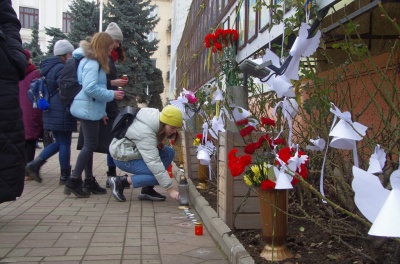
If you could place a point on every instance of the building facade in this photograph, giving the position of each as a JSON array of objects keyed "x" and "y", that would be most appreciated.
[{"x": 49, "y": 13}]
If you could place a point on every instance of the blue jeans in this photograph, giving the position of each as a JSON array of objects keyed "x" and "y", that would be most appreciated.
[
  {"x": 110, "y": 160},
  {"x": 62, "y": 145},
  {"x": 142, "y": 176}
]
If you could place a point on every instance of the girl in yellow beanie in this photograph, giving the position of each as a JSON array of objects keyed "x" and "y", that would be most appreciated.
[{"x": 143, "y": 154}]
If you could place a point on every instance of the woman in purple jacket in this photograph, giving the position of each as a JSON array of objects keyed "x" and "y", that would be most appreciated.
[{"x": 32, "y": 117}]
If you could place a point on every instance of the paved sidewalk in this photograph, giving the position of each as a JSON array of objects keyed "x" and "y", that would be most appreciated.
[{"x": 46, "y": 226}]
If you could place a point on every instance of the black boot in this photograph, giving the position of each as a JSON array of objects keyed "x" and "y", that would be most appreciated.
[
  {"x": 65, "y": 174},
  {"x": 33, "y": 168},
  {"x": 117, "y": 185},
  {"x": 112, "y": 172},
  {"x": 148, "y": 193},
  {"x": 75, "y": 185},
  {"x": 92, "y": 186}
]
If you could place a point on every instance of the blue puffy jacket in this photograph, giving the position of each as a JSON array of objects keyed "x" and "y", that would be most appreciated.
[
  {"x": 90, "y": 102},
  {"x": 58, "y": 117}
]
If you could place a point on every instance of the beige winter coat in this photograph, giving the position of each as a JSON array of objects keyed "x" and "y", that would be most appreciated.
[{"x": 141, "y": 143}]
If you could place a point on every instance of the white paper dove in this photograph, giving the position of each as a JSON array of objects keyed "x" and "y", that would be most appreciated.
[
  {"x": 181, "y": 103},
  {"x": 319, "y": 144},
  {"x": 296, "y": 161},
  {"x": 289, "y": 110},
  {"x": 379, "y": 205},
  {"x": 281, "y": 85},
  {"x": 217, "y": 124},
  {"x": 377, "y": 160},
  {"x": 302, "y": 47}
]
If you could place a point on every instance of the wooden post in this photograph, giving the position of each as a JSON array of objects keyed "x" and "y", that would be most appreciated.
[{"x": 202, "y": 177}]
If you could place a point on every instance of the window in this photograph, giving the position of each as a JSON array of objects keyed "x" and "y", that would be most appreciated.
[
  {"x": 152, "y": 36},
  {"x": 66, "y": 22},
  {"x": 154, "y": 62},
  {"x": 28, "y": 16}
]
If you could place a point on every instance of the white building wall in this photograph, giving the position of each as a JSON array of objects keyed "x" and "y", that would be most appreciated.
[
  {"x": 50, "y": 15},
  {"x": 164, "y": 9},
  {"x": 180, "y": 10}
]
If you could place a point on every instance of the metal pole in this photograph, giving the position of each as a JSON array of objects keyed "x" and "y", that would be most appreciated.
[{"x": 101, "y": 17}]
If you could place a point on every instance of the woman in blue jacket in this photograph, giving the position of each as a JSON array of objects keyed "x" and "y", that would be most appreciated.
[
  {"x": 89, "y": 106},
  {"x": 57, "y": 119}
]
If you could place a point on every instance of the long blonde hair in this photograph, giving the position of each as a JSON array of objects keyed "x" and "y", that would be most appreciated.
[{"x": 99, "y": 45}]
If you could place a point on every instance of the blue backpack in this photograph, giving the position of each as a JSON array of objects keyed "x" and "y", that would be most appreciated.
[{"x": 38, "y": 94}]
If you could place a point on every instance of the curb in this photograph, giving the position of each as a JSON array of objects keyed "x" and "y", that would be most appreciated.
[{"x": 219, "y": 231}]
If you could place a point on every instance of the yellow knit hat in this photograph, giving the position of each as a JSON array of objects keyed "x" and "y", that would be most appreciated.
[{"x": 172, "y": 116}]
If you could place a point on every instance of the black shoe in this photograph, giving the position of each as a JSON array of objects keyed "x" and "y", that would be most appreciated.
[
  {"x": 117, "y": 186},
  {"x": 75, "y": 186},
  {"x": 108, "y": 181},
  {"x": 92, "y": 186},
  {"x": 65, "y": 174},
  {"x": 33, "y": 168},
  {"x": 148, "y": 193},
  {"x": 110, "y": 173}
]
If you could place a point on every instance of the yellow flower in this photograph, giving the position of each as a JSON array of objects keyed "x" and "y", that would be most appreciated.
[
  {"x": 247, "y": 180},
  {"x": 259, "y": 175},
  {"x": 196, "y": 142}
]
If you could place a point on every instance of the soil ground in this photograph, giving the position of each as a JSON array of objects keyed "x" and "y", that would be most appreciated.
[{"x": 308, "y": 243}]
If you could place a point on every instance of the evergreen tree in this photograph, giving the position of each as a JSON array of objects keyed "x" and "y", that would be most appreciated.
[
  {"x": 155, "y": 101},
  {"x": 135, "y": 20},
  {"x": 57, "y": 34},
  {"x": 34, "y": 47},
  {"x": 85, "y": 20}
]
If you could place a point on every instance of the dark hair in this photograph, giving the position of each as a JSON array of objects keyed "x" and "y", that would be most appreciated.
[{"x": 121, "y": 53}]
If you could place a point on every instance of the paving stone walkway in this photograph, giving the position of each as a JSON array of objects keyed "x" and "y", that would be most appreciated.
[{"x": 46, "y": 226}]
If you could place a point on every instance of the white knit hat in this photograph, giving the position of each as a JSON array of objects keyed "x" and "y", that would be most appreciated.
[
  {"x": 63, "y": 47},
  {"x": 114, "y": 31}
]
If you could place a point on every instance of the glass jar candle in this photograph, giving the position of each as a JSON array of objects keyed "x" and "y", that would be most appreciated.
[{"x": 198, "y": 228}]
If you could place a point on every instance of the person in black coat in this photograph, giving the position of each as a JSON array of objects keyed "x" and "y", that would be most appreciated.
[
  {"x": 113, "y": 82},
  {"x": 12, "y": 137},
  {"x": 58, "y": 119}
]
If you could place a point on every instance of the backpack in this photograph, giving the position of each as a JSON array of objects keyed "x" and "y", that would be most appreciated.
[
  {"x": 69, "y": 85},
  {"x": 38, "y": 94},
  {"x": 123, "y": 121}
]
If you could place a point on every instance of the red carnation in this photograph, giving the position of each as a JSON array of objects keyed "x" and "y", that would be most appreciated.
[
  {"x": 251, "y": 148},
  {"x": 279, "y": 141},
  {"x": 242, "y": 122},
  {"x": 246, "y": 131},
  {"x": 267, "y": 185},
  {"x": 267, "y": 122}
]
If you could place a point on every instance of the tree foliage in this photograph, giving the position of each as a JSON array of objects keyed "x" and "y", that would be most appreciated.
[
  {"x": 85, "y": 20},
  {"x": 33, "y": 46},
  {"x": 135, "y": 20}
]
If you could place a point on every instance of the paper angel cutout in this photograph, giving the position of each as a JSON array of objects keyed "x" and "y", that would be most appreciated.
[
  {"x": 238, "y": 113},
  {"x": 203, "y": 156},
  {"x": 217, "y": 95},
  {"x": 345, "y": 132},
  {"x": 283, "y": 180},
  {"x": 253, "y": 122},
  {"x": 181, "y": 103},
  {"x": 379, "y": 205},
  {"x": 217, "y": 124},
  {"x": 302, "y": 47},
  {"x": 319, "y": 144},
  {"x": 204, "y": 152},
  {"x": 377, "y": 160}
]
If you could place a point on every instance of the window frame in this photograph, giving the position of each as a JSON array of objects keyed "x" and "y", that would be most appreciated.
[{"x": 26, "y": 21}]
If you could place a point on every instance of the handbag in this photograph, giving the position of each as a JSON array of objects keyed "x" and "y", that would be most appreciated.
[
  {"x": 123, "y": 121},
  {"x": 104, "y": 140}
]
